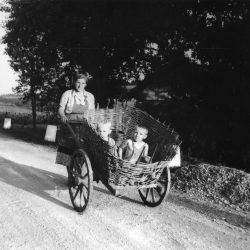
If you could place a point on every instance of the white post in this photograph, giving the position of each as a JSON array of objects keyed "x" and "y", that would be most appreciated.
[
  {"x": 7, "y": 123},
  {"x": 50, "y": 134},
  {"x": 176, "y": 161}
]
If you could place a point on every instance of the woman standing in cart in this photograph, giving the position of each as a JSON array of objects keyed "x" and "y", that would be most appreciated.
[{"x": 73, "y": 101}]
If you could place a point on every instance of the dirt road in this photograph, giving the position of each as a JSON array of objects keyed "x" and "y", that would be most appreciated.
[{"x": 36, "y": 212}]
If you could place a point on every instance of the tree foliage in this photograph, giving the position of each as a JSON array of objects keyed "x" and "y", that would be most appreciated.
[{"x": 196, "y": 52}]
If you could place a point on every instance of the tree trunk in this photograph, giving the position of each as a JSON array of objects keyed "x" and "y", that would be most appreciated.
[{"x": 33, "y": 105}]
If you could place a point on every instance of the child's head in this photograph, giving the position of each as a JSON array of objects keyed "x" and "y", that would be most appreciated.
[
  {"x": 104, "y": 129},
  {"x": 140, "y": 133}
]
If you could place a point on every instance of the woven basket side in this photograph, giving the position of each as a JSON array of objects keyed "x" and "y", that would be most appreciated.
[
  {"x": 126, "y": 174},
  {"x": 111, "y": 169},
  {"x": 116, "y": 171},
  {"x": 160, "y": 138}
]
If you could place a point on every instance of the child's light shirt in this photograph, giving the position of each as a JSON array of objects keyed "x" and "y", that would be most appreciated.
[{"x": 133, "y": 150}]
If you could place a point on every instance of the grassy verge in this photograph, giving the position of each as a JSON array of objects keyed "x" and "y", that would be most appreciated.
[
  {"x": 27, "y": 133},
  {"x": 222, "y": 185}
]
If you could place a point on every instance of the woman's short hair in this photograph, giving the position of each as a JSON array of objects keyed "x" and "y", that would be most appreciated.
[{"x": 85, "y": 76}]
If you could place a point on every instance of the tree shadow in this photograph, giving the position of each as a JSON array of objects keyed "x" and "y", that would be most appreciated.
[{"x": 33, "y": 180}]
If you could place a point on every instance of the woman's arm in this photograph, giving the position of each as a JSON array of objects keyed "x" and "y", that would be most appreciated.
[
  {"x": 61, "y": 109},
  {"x": 62, "y": 115}
]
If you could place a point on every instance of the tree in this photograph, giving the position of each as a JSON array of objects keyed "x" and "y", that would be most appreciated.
[
  {"x": 197, "y": 51},
  {"x": 107, "y": 39}
]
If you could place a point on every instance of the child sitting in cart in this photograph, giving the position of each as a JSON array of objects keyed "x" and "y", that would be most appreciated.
[
  {"x": 135, "y": 149},
  {"x": 104, "y": 130}
]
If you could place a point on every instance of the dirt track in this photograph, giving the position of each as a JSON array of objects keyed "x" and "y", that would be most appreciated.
[{"x": 36, "y": 212}]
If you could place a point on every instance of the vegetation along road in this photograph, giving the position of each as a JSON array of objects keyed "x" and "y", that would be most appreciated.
[{"x": 36, "y": 212}]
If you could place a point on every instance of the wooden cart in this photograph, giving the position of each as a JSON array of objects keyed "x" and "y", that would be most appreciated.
[{"x": 89, "y": 157}]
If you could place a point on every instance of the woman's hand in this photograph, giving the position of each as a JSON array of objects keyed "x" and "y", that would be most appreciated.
[
  {"x": 62, "y": 115},
  {"x": 64, "y": 119}
]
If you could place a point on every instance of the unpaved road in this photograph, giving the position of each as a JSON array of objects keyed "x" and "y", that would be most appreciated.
[{"x": 36, "y": 212}]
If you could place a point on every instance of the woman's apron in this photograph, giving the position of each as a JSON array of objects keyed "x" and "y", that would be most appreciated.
[{"x": 65, "y": 140}]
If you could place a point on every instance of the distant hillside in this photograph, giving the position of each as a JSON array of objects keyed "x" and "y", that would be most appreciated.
[
  {"x": 10, "y": 96},
  {"x": 12, "y": 100}
]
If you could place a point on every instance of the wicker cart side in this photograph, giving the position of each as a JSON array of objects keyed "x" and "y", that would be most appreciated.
[
  {"x": 113, "y": 170},
  {"x": 119, "y": 172},
  {"x": 161, "y": 139}
]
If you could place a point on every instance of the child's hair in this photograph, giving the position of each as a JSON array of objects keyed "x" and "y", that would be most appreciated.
[
  {"x": 106, "y": 124},
  {"x": 143, "y": 127}
]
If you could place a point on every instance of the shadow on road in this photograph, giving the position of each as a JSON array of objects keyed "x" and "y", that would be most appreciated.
[
  {"x": 118, "y": 197},
  {"x": 213, "y": 211},
  {"x": 33, "y": 180}
]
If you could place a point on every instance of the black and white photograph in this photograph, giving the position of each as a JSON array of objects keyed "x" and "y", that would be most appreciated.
[{"x": 125, "y": 124}]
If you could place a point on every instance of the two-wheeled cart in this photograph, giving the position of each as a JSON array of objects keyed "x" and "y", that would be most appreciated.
[{"x": 88, "y": 157}]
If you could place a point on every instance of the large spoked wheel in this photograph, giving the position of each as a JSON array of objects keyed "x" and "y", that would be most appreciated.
[
  {"x": 153, "y": 197},
  {"x": 80, "y": 180}
]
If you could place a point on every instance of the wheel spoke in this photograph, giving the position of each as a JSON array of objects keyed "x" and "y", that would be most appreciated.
[
  {"x": 83, "y": 177},
  {"x": 81, "y": 192},
  {"x": 76, "y": 193},
  {"x": 158, "y": 190},
  {"x": 78, "y": 163},
  {"x": 85, "y": 199},
  {"x": 74, "y": 162},
  {"x": 152, "y": 194},
  {"x": 147, "y": 193},
  {"x": 79, "y": 166},
  {"x": 85, "y": 186}
]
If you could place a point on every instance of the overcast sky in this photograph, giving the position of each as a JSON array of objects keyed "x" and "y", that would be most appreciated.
[{"x": 7, "y": 76}]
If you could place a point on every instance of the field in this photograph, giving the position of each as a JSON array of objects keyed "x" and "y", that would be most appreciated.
[
  {"x": 20, "y": 113},
  {"x": 14, "y": 109},
  {"x": 13, "y": 104},
  {"x": 21, "y": 120}
]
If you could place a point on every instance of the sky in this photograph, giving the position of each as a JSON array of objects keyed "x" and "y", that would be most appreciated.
[{"x": 7, "y": 75}]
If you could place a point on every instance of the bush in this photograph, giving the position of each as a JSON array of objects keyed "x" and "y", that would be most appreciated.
[{"x": 220, "y": 184}]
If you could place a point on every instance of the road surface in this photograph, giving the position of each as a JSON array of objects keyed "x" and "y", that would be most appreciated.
[{"x": 36, "y": 212}]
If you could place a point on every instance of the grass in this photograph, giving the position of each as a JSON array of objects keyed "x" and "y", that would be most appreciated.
[
  {"x": 21, "y": 115},
  {"x": 27, "y": 133}
]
